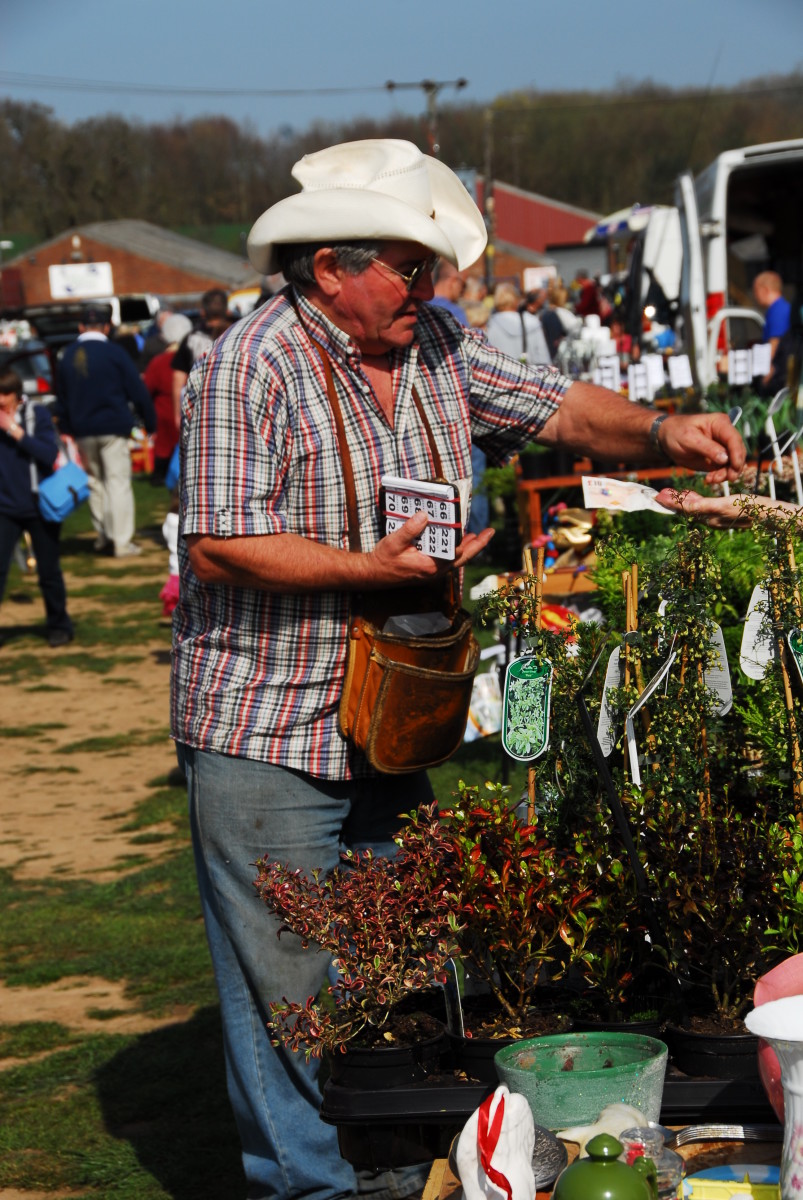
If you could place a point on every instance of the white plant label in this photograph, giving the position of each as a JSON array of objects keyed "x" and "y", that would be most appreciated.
[
  {"x": 613, "y": 679},
  {"x": 679, "y": 371},
  {"x": 718, "y": 676},
  {"x": 758, "y": 646},
  {"x": 630, "y": 730}
]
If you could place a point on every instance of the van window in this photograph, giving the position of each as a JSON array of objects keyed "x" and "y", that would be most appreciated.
[{"x": 134, "y": 310}]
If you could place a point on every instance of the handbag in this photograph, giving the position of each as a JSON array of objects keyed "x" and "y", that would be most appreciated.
[
  {"x": 62, "y": 492},
  {"x": 405, "y": 698}
]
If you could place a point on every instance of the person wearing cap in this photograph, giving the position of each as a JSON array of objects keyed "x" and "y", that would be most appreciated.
[
  {"x": 100, "y": 397},
  {"x": 268, "y": 573}
]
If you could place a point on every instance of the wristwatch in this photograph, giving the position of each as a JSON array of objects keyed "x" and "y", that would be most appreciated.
[{"x": 653, "y": 440}]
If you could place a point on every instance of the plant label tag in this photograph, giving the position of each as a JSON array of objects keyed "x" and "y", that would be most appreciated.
[
  {"x": 609, "y": 372},
  {"x": 740, "y": 371},
  {"x": 794, "y": 640},
  {"x": 613, "y": 679},
  {"x": 679, "y": 371},
  {"x": 718, "y": 676},
  {"x": 638, "y": 382},
  {"x": 525, "y": 707},
  {"x": 630, "y": 730},
  {"x": 758, "y": 646},
  {"x": 761, "y": 359}
]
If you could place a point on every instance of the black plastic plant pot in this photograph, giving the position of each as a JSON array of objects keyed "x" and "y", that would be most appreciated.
[
  {"x": 383, "y": 1129},
  {"x": 475, "y": 1056},
  {"x": 650, "y": 1028},
  {"x": 714, "y": 1056},
  {"x": 375, "y": 1067}
]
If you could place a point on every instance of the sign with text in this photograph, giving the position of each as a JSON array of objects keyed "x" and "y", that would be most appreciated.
[{"x": 80, "y": 281}]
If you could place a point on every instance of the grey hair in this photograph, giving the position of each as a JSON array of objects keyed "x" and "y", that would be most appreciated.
[{"x": 296, "y": 259}]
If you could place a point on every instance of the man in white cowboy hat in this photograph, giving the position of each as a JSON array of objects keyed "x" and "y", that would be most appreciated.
[{"x": 267, "y": 569}]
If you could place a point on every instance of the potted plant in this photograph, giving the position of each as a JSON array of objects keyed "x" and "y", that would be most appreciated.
[{"x": 387, "y": 925}]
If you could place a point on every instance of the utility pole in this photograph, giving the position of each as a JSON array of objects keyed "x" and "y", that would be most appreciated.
[
  {"x": 431, "y": 87},
  {"x": 488, "y": 200}
]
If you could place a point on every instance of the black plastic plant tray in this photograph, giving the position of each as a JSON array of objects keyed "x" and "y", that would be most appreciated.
[{"x": 686, "y": 1100}]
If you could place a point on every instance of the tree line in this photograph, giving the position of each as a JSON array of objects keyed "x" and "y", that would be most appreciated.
[{"x": 599, "y": 151}]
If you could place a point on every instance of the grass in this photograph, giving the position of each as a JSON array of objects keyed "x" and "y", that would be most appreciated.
[{"x": 105, "y": 1115}]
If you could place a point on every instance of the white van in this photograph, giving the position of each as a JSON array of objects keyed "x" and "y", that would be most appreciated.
[{"x": 742, "y": 215}]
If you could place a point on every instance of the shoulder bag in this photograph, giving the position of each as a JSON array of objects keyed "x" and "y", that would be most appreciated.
[
  {"x": 62, "y": 492},
  {"x": 405, "y": 699}
]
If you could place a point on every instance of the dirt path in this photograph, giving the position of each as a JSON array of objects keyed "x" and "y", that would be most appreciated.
[{"x": 64, "y": 813}]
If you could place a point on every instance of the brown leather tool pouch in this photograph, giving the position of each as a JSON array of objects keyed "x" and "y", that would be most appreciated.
[{"x": 406, "y": 699}]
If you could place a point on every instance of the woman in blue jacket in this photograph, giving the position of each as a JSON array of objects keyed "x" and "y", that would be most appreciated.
[{"x": 28, "y": 446}]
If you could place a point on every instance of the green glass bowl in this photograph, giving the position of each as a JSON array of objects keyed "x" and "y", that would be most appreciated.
[{"x": 568, "y": 1078}]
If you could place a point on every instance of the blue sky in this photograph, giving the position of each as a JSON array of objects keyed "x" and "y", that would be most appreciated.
[{"x": 303, "y": 45}]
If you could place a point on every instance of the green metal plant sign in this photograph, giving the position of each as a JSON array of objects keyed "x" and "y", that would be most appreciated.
[{"x": 525, "y": 711}]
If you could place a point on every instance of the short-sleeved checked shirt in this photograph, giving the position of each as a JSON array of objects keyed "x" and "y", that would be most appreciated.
[{"x": 259, "y": 674}]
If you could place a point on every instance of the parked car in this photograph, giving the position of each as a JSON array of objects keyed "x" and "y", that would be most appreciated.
[{"x": 29, "y": 357}]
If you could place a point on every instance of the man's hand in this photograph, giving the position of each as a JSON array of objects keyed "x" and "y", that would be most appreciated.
[
  {"x": 397, "y": 561},
  {"x": 704, "y": 442}
]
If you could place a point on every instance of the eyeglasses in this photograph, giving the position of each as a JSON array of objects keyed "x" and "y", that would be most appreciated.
[{"x": 426, "y": 265}]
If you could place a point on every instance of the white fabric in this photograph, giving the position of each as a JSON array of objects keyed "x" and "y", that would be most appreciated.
[
  {"x": 377, "y": 189},
  {"x": 170, "y": 535},
  {"x": 512, "y": 1156}
]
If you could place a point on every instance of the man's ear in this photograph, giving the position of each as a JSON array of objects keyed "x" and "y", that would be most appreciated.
[{"x": 328, "y": 273}]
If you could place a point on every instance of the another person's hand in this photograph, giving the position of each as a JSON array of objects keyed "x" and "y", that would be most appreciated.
[
  {"x": 704, "y": 442},
  {"x": 722, "y": 512},
  {"x": 8, "y": 424}
]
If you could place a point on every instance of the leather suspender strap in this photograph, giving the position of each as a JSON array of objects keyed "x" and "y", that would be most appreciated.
[{"x": 355, "y": 542}]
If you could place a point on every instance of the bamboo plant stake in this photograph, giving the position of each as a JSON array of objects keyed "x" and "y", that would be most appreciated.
[
  {"x": 797, "y": 764},
  {"x": 534, "y": 583}
]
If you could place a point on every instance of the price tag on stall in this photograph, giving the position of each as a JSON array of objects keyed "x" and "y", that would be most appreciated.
[{"x": 525, "y": 707}]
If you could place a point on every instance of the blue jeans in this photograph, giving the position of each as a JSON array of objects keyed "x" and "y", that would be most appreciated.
[
  {"x": 242, "y": 810},
  {"x": 480, "y": 509}
]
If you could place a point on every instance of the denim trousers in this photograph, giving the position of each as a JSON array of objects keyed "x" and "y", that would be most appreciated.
[
  {"x": 45, "y": 541},
  {"x": 242, "y": 810}
]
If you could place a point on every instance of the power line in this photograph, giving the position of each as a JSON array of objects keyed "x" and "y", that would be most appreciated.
[{"x": 60, "y": 83}]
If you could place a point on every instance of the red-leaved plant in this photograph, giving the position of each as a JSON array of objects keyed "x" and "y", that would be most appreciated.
[
  {"x": 386, "y": 924},
  {"x": 517, "y": 901}
]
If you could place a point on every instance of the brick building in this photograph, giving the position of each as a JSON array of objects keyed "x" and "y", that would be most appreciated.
[
  {"x": 142, "y": 257},
  {"x": 532, "y": 230}
]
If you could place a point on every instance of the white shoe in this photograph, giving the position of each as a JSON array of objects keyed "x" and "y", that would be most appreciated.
[
  {"x": 101, "y": 543},
  {"x": 129, "y": 551}
]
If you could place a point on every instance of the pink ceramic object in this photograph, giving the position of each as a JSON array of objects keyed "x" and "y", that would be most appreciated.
[{"x": 784, "y": 980}]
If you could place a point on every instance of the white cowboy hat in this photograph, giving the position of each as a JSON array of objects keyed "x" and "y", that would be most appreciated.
[{"x": 380, "y": 189}]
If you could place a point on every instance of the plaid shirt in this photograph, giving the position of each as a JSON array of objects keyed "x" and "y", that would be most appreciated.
[{"x": 259, "y": 674}]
